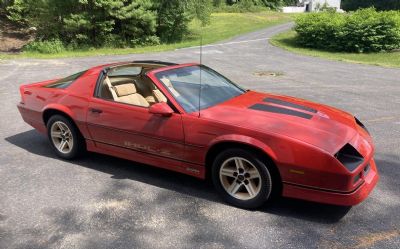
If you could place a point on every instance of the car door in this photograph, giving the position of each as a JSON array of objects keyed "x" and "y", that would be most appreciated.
[{"x": 134, "y": 133}]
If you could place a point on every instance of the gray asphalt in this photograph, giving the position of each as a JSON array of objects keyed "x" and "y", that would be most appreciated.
[{"x": 104, "y": 202}]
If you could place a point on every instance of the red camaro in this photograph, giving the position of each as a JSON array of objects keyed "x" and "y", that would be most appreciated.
[{"x": 188, "y": 118}]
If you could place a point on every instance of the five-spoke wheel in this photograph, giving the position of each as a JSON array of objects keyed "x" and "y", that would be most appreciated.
[
  {"x": 64, "y": 137},
  {"x": 242, "y": 178}
]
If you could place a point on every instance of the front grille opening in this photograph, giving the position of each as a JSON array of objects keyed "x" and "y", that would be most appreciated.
[{"x": 349, "y": 157}]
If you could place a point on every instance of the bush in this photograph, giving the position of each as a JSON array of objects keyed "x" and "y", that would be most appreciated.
[
  {"x": 45, "y": 47},
  {"x": 239, "y": 8},
  {"x": 350, "y": 5},
  {"x": 145, "y": 41},
  {"x": 365, "y": 30}
]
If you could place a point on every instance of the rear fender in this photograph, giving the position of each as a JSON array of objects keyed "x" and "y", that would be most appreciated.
[{"x": 58, "y": 107}]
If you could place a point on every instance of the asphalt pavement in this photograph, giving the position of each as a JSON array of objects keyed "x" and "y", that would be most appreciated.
[{"x": 105, "y": 202}]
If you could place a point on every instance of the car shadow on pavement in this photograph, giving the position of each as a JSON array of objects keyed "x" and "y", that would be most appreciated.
[{"x": 36, "y": 143}]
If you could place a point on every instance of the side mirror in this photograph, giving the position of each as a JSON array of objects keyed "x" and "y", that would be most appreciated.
[{"x": 162, "y": 109}]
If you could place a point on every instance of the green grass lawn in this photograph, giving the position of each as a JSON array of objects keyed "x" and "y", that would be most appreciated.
[
  {"x": 287, "y": 40},
  {"x": 221, "y": 27}
]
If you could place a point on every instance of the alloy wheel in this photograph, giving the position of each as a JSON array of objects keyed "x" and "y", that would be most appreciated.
[
  {"x": 240, "y": 178},
  {"x": 61, "y": 137}
]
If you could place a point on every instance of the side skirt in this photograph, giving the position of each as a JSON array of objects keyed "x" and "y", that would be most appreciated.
[{"x": 187, "y": 168}]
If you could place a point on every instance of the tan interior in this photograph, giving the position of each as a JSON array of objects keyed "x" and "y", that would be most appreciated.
[
  {"x": 168, "y": 84},
  {"x": 126, "y": 93},
  {"x": 135, "y": 90}
]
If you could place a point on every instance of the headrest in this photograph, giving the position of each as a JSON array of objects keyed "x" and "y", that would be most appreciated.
[
  {"x": 166, "y": 82},
  {"x": 125, "y": 89}
]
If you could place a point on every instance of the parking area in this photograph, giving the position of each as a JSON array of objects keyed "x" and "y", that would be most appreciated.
[{"x": 104, "y": 202}]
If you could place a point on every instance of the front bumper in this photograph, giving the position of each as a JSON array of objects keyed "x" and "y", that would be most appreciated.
[{"x": 336, "y": 198}]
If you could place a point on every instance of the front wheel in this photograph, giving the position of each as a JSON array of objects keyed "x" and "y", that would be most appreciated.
[
  {"x": 242, "y": 178},
  {"x": 64, "y": 137}
]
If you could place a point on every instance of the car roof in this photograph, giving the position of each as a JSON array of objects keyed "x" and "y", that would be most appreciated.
[
  {"x": 156, "y": 62},
  {"x": 148, "y": 62}
]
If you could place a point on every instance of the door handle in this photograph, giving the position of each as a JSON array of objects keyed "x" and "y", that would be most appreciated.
[{"x": 94, "y": 110}]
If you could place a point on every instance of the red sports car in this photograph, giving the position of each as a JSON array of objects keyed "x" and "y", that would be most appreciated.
[{"x": 189, "y": 118}]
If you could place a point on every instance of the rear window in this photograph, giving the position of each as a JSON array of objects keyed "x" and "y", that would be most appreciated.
[{"x": 67, "y": 81}]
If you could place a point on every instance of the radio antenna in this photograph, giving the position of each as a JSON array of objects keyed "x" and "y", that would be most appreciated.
[{"x": 201, "y": 63}]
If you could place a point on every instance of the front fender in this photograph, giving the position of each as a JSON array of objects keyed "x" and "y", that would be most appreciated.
[{"x": 244, "y": 140}]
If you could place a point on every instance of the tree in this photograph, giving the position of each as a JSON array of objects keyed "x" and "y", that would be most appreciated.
[
  {"x": 114, "y": 23},
  {"x": 350, "y": 5},
  {"x": 91, "y": 22},
  {"x": 4, "y": 4},
  {"x": 174, "y": 17}
]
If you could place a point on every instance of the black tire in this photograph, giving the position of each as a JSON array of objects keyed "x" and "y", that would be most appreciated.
[
  {"x": 268, "y": 184},
  {"x": 77, "y": 144}
]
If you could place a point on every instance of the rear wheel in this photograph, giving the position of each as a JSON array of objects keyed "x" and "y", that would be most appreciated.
[
  {"x": 242, "y": 178},
  {"x": 64, "y": 137}
]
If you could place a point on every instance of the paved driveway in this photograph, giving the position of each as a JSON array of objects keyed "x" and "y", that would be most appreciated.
[{"x": 104, "y": 202}]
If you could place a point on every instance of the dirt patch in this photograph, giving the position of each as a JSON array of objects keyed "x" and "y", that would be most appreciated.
[
  {"x": 370, "y": 239},
  {"x": 13, "y": 37},
  {"x": 268, "y": 73}
]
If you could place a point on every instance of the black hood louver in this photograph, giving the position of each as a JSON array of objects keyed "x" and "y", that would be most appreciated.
[
  {"x": 284, "y": 107},
  {"x": 290, "y": 104},
  {"x": 349, "y": 157},
  {"x": 280, "y": 110}
]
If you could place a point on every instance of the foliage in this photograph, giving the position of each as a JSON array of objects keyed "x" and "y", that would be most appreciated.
[
  {"x": 365, "y": 30},
  {"x": 218, "y": 3},
  {"x": 222, "y": 26},
  {"x": 290, "y": 2},
  {"x": 350, "y": 5},
  {"x": 250, "y": 5},
  {"x": 114, "y": 23},
  {"x": 46, "y": 47},
  {"x": 173, "y": 17},
  {"x": 240, "y": 7},
  {"x": 202, "y": 10},
  {"x": 288, "y": 41},
  {"x": 273, "y": 4},
  {"x": 5, "y": 3}
]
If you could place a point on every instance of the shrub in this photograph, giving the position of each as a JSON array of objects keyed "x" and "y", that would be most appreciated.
[
  {"x": 349, "y": 5},
  {"x": 146, "y": 41},
  {"x": 45, "y": 47},
  {"x": 239, "y": 8},
  {"x": 365, "y": 30}
]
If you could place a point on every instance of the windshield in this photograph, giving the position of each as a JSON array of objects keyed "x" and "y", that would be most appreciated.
[{"x": 184, "y": 84}]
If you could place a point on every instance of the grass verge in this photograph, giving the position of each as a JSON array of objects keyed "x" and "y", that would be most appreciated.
[
  {"x": 287, "y": 40},
  {"x": 222, "y": 26}
]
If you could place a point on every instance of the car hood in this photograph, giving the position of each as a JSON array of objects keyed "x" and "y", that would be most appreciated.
[{"x": 322, "y": 126}]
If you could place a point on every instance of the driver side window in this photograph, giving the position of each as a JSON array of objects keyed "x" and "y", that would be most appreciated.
[{"x": 137, "y": 89}]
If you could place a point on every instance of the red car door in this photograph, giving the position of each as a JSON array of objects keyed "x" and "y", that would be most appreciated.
[{"x": 134, "y": 133}]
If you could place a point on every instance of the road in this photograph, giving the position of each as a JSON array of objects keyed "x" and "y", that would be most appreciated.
[{"x": 104, "y": 202}]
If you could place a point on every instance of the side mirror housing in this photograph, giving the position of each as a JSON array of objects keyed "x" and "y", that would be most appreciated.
[{"x": 162, "y": 109}]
